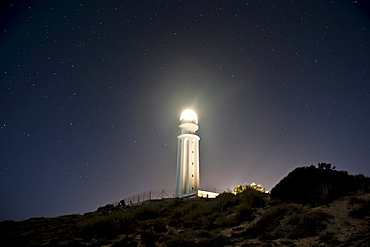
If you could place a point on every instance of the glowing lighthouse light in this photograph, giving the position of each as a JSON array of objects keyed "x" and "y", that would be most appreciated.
[{"x": 189, "y": 115}]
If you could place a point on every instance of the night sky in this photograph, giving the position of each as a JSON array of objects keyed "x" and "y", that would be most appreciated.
[{"x": 92, "y": 91}]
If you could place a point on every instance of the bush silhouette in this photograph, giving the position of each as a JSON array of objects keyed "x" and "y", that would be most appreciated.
[{"x": 311, "y": 185}]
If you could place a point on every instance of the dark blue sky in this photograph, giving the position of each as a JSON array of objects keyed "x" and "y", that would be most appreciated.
[{"x": 92, "y": 91}]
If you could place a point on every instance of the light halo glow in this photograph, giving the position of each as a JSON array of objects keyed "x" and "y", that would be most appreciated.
[{"x": 189, "y": 115}]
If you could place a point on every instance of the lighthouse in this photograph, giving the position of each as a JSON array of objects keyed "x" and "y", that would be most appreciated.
[{"x": 187, "y": 170}]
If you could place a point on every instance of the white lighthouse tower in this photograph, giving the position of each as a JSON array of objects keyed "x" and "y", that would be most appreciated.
[{"x": 187, "y": 172}]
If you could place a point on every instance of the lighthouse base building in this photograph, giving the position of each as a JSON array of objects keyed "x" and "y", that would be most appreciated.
[{"x": 187, "y": 170}]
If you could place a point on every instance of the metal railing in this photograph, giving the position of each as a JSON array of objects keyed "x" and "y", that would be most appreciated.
[{"x": 157, "y": 194}]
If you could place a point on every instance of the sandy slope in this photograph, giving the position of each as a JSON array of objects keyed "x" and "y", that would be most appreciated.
[{"x": 341, "y": 228}]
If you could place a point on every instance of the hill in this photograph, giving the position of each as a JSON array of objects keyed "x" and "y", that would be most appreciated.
[{"x": 250, "y": 218}]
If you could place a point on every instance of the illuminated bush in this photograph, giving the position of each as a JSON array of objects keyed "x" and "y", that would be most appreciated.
[
  {"x": 258, "y": 187},
  {"x": 241, "y": 188}
]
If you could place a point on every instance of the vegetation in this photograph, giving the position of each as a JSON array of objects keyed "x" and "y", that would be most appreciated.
[
  {"x": 316, "y": 186},
  {"x": 287, "y": 221},
  {"x": 231, "y": 218},
  {"x": 240, "y": 188}
]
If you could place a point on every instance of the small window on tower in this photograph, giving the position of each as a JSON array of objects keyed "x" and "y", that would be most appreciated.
[
  {"x": 192, "y": 163},
  {"x": 192, "y": 175}
]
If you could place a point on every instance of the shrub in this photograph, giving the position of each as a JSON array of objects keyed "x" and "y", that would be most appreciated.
[
  {"x": 189, "y": 224},
  {"x": 315, "y": 186},
  {"x": 252, "y": 198},
  {"x": 258, "y": 187},
  {"x": 147, "y": 212},
  {"x": 362, "y": 182},
  {"x": 126, "y": 242},
  {"x": 202, "y": 238},
  {"x": 159, "y": 228},
  {"x": 176, "y": 223},
  {"x": 243, "y": 213},
  {"x": 215, "y": 241},
  {"x": 223, "y": 202},
  {"x": 179, "y": 240},
  {"x": 307, "y": 224},
  {"x": 107, "y": 226},
  {"x": 148, "y": 238},
  {"x": 106, "y": 209},
  {"x": 356, "y": 200},
  {"x": 329, "y": 239},
  {"x": 221, "y": 221},
  {"x": 272, "y": 224},
  {"x": 269, "y": 221},
  {"x": 196, "y": 210},
  {"x": 204, "y": 234},
  {"x": 185, "y": 209},
  {"x": 362, "y": 211}
]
